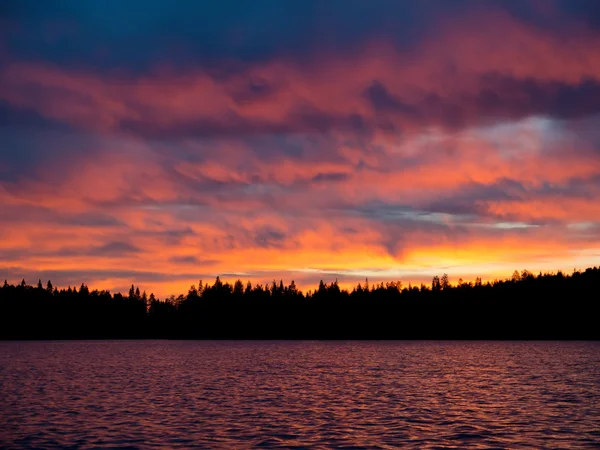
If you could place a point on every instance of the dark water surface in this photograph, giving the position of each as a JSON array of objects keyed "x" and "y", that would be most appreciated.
[{"x": 172, "y": 394}]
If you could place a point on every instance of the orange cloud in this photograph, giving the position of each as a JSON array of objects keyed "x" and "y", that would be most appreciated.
[{"x": 456, "y": 157}]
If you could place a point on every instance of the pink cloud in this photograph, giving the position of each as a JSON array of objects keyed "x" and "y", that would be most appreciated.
[{"x": 387, "y": 162}]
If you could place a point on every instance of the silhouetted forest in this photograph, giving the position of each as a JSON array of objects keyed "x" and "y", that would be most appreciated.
[{"x": 526, "y": 306}]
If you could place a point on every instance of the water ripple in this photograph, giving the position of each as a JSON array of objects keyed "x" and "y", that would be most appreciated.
[{"x": 367, "y": 395}]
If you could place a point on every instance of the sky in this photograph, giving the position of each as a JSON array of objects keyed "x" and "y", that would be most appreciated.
[{"x": 164, "y": 142}]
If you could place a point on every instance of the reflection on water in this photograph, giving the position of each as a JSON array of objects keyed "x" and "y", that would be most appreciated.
[{"x": 141, "y": 394}]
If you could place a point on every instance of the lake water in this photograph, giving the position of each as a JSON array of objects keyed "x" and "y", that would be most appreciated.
[{"x": 190, "y": 394}]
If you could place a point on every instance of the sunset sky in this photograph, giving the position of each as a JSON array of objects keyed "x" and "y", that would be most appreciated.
[{"x": 164, "y": 142}]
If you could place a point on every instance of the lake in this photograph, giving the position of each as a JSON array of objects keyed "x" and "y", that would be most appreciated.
[{"x": 212, "y": 394}]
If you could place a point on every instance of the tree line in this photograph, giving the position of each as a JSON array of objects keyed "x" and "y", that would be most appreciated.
[{"x": 525, "y": 306}]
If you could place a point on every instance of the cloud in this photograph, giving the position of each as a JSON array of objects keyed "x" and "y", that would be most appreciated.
[
  {"x": 330, "y": 177},
  {"x": 448, "y": 79},
  {"x": 267, "y": 238},
  {"x": 192, "y": 261},
  {"x": 113, "y": 249},
  {"x": 383, "y": 101},
  {"x": 386, "y": 139}
]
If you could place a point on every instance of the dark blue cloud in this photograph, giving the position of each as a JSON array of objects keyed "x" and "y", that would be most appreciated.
[
  {"x": 113, "y": 249},
  {"x": 29, "y": 142},
  {"x": 330, "y": 177},
  {"x": 384, "y": 101},
  {"x": 268, "y": 237},
  {"x": 499, "y": 97},
  {"x": 474, "y": 198},
  {"x": 136, "y": 34},
  {"x": 192, "y": 261},
  {"x": 15, "y": 118},
  {"x": 32, "y": 213}
]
